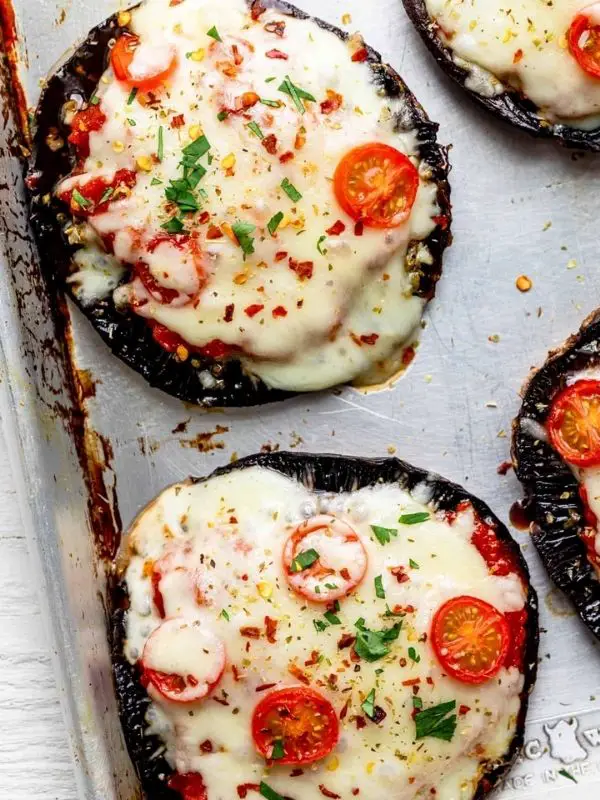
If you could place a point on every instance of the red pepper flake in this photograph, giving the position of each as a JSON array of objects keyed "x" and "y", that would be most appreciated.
[
  {"x": 279, "y": 311},
  {"x": 214, "y": 232},
  {"x": 204, "y": 217},
  {"x": 277, "y": 27},
  {"x": 314, "y": 659},
  {"x": 355, "y": 792},
  {"x": 345, "y": 573},
  {"x": 361, "y": 722},
  {"x": 270, "y": 144},
  {"x": 295, "y": 773},
  {"x": 346, "y": 640},
  {"x": 286, "y": 157},
  {"x": 253, "y": 310},
  {"x": 333, "y": 103},
  {"x": 256, "y": 10},
  {"x": 517, "y": 56},
  {"x": 303, "y": 269},
  {"x": 441, "y": 221},
  {"x": 408, "y": 356},
  {"x": 206, "y": 746},
  {"x": 361, "y": 55},
  {"x": 359, "y": 228},
  {"x": 400, "y": 574},
  {"x": 344, "y": 710},
  {"x": 277, "y": 54},
  {"x": 175, "y": 2},
  {"x": 280, "y": 255},
  {"x": 271, "y": 629},
  {"x": 246, "y": 100},
  {"x": 300, "y": 139},
  {"x": 412, "y": 682},
  {"x": 244, "y": 788},
  {"x": 326, "y": 793},
  {"x": 237, "y": 675},
  {"x": 370, "y": 338},
  {"x": 250, "y": 632},
  {"x": 462, "y": 710},
  {"x": 430, "y": 680},
  {"x": 504, "y": 467},
  {"x": 178, "y": 121},
  {"x": 265, "y": 687},
  {"x": 336, "y": 229},
  {"x": 299, "y": 674}
]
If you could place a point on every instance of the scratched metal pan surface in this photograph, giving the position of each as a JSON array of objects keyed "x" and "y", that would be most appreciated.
[{"x": 91, "y": 441}]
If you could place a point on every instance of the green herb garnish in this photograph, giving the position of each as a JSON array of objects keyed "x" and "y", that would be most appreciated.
[
  {"x": 413, "y": 564},
  {"x": 108, "y": 193},
  {"x": 266, "y": 791},
  {"x": 131, "y": 122},
  {"x": 222, "y": 116},
  {"x": 291, "y": 190},
  {"x": 417, "y": 702},
  {"x": 319, "y": 245},
  {"x": 331, "y": 618},
  {"x": 567, "y": 774},
  {"x": 384, "y": 535},
  {"x": 132, "y": 95},
  {"x": 179, "y": 192},
  {"x": 174, "y": 225},
  {"x": 243, "y": 232},
  {"x": 320, "y": 625},
  {"x": 379, "y": 590},
  {"x": 255, "y": 128},
  {"x": 278, "y": 751},
  {"x": 305, "y": 559},
  {"x": 196, "y": 149},
  {"x": 296, "y": 93},
  {"x": 224, "y": 614},
  {"x": 214, "y": 34},
  {"x": 414, "y": 519},
  {"x": 438, "y": 722},
  {"x": 413, "y": 655},
  {"x": 160, "y": 150},
  {"x": 331, "y": 586},
  {"x": 94, "y": 99},
  {"x": 81, "y": 201},
  {"x": 274, "y": 223},
  {"x": 373, "y": 645},
  {"x": 369, "y": 705},
  {"x": 271, "y": 103}
]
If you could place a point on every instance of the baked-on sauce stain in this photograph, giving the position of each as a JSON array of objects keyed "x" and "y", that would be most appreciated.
[{"x": 519, "y": 516}]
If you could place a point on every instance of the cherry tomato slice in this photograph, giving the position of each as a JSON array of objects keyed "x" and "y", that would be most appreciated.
[
  {"x": 574, "y": 423},
  {"x": 84, "y": 122},
  {"x": 470, "y": 638},
  {"x": 376, "y": 184},
  {"x": 147, "y": 73},
  {"x": 583, "y": 39},
  {"x": 182, "y": 661},
  {"x": 300, "y": 721},
  {"x": 341, "y": 564},
  {"x": 189, "y": 785}
]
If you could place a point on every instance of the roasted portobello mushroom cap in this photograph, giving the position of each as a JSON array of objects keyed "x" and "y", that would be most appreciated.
[
  {"x": 325, "y": 475},
  {"x": 558, "y": 499},
  {"x": 204, "y": 375},
  {"x": 503, "y": 93}
]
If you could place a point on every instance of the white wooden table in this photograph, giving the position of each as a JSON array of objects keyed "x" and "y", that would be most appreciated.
[{"x": 35, "y": 762}]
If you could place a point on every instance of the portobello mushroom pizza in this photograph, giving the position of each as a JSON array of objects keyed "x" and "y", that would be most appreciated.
[
  {"x": 535, "y": 64},
  {"x": 301, "y": 627},
  {"x": 243, "y": 200},
  {"x": 556, "y": 449}
]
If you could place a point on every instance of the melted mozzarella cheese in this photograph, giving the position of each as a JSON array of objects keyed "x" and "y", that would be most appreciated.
[
  {"x": 230, "y": 531},
  {"x": 360, "y": 286},
  {"x": 523, "y": 44}
]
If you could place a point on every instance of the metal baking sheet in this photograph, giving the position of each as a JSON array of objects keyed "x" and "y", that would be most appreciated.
[{"x": 521, "y": 207}]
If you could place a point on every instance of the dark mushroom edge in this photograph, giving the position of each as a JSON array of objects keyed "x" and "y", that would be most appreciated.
[
  {"x": 323, "y": 473},
  {"x": 552, "y": 498},
  {"x": 128, "y": 336},
  {"x": 511, "y": 105}
]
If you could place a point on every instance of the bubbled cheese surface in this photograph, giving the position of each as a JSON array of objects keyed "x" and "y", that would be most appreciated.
[
  {"x": 359, "y": 285},
  {"x": 227, "y": 537},
  {"x": 523, "y": 43}
]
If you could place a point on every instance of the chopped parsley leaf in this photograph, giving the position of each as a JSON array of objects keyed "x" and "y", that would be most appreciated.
[
  {"x": 179, "y": 192},
  {"x": 390, "y": 613},
  {"x": 331, "y": 618},
  {"x": 197, "y": 148},
  {"x": 319, "y": 247},
  {"x": 160, "y": 152},
  {"x": 291, "y": 190},
  {"x": 384, "y": 535},
  {"x": 278, "y": 751},
  {"x": 417, "y": 702},
  {"x": 567, "y": 774},
  {"x": 174, "y": 225},
  {"x": 270, "y": 794},
  {"x": 413, "y": 655},
  {"x": 255, "y": 128},
  {"x": 320, "y": 625},
  {"x": 305, "y": 559},
  {"x": 132, "y": 95},
  {"x": 379, "y": 590},
  {"x": 94, "y": 99},
  {"x": 270, "y": 80},
  {"x": 81, "y": 201},
  {"x": 224, "y": 614},
  {"x": 131, "y": 122},
  {"x": 243, "y": 233},
  {"x": 414, "y": 519},
  {"x": 222, "y": 116},
  {"x": 155, "y": 182},
  {"x": 413, "y": 564},
  {"x": 296, "y": 93},
  {"x": 368, "y": 706},
  {"x": 271, "y": 103},
  {"x": 331, "y": 586},
  {"x": 373, "y": 645},
  {"x": 214, "y": 34},
  {"x": 108, "y": 193},
  {"x": 317, "y": 590},
  {"x": 438, "y": 722}
]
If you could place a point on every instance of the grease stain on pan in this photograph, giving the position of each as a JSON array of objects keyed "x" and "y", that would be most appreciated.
[
  {"x": 205, "y": 442},
  {"x": 558, "y": 605}
]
